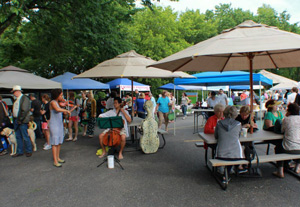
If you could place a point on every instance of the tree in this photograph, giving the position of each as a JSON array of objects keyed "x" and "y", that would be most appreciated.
[
  {"x": 76, "y": 39},
  {"x": 155, "y": 33},
  {"x": 195, "y": 27}
]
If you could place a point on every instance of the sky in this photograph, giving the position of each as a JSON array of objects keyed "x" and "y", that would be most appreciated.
[{"x": 291, "y": 6}]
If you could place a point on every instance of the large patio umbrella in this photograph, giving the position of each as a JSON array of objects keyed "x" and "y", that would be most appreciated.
[
  {"x": 248, "y": 46},
  {"x": 129, "y": 65},
  {"x": 281, "y": 81}
]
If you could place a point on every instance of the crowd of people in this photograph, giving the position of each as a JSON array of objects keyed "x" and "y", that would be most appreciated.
[
  {"x": 226, "y": 124},
  {"x": 56, "y": 117}
]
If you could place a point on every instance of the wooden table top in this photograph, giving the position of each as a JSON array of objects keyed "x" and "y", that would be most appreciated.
[{"x": 260, "y": 135}]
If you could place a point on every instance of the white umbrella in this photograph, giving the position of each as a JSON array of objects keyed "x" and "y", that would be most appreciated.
[{"x": 248, "y": 46}]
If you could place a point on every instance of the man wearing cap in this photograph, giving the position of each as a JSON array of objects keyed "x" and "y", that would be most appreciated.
[{"x": 21, "y": 114}]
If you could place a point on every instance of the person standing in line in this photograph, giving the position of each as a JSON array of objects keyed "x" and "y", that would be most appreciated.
[
  {"x": 83, "y": 113},
  {"x": 45, "y": 112},
  {"x": 92, "y": 111},
  {"x": 152, "y": 99},
  {"x": 184, "y": 103},
  {"x": 21, "y": 115},
  {"x": 291, "y": 97},
  {"x": 36, "y": 113},
  {"x": 56, "y": 125},
  {"x": 74, "y": 118},
  {"x": 222, "y": 98},
  {"x": 162, "y": 108},
  {"x": 110, "y": 101},
  {"x": 139, "y": 106}
]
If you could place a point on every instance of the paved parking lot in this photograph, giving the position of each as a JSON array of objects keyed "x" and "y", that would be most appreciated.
[{"x": 174, "y": 176}]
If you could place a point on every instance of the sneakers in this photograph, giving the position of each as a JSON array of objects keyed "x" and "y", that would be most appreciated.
[
  {"x": 45, "y": 144},
  {"x": 4, "y": 152},
  {"x": 47, "y": 147},
  {"x": 184, "y": 118}
]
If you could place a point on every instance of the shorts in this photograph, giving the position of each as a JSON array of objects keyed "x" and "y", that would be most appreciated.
[
  {"x": 45, "y": 125},
  {"x": 123, "y": 131},
  {"x": 74, "y": 118}
]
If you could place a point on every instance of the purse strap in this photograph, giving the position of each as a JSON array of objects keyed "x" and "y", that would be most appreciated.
[{"x": 5, "y": 111}]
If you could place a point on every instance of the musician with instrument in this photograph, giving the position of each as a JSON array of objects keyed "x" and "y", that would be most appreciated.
[{"x": 117, "y": 111}]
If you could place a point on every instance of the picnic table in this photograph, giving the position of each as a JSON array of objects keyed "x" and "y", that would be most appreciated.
[
  {"x": 197, "y": 113},
  {"x": 135, "y": 123},
  {"x": 260, "y": 136}
]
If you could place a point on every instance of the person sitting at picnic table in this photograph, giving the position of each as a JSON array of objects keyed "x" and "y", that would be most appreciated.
[
  {"x": 227, "y": 133},
  {"x": 212, "y": 121},
  {"x": 272, "y": 115},
  {"x": 244, "y": 118},
  {"x": 291, "y": 140},
  {"x": 117, "y": 111}
]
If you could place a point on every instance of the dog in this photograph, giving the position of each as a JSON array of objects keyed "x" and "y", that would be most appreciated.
[
  {"x": 10, "y": 134},
  {"x": 32, "y": 138}
]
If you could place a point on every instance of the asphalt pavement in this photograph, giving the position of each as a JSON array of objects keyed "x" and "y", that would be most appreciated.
[{"x": 174, "y": 176}]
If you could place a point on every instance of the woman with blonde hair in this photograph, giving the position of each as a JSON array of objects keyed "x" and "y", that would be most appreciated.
[{"x": 91, "y": 108}]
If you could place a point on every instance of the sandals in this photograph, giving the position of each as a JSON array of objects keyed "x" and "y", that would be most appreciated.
[
  {"x": 69, "y": 139},
  {"x": 75, "y": 139},
  {"x": 57, "y": 165},
  {"x": 277, "y": 174},
  {"x": 61, "y": 161}
]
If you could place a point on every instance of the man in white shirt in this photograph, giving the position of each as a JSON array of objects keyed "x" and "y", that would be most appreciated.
[
  {"x": 110, "y": 101},
  {"x": 291, "y": 98},
  {"x": 21, "y": 114},
  {"x": 117, "y": 111},
  {"x": 222, "y": 98}
]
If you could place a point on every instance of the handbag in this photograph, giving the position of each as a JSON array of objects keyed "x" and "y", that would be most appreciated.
[{"x": 6, "y": 120}]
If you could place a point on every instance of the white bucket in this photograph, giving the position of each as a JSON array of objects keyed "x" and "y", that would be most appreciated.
[{"x": 110, "y": 162}]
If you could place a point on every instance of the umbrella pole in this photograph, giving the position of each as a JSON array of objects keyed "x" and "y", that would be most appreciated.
[
  {"x": 250, "y": 57},
  {"x": 132, "y": 110},
  {"x": 260, "y": 105},
  {"x": 174, "y": 113}
]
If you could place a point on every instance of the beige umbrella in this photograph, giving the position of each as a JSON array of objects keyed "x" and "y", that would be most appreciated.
[
  {"x": 248, "y": 46},
  {"x": 130, "y": 65},
  {"x": 282, "y": 82}
]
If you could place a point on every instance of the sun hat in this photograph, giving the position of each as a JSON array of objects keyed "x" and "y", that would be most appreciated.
[
  {"x": 16, "y": 88},
  {"x": 275, "y": 103}
]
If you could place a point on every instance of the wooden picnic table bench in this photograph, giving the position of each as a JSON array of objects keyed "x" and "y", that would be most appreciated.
[{"x": 261, "y": 159}]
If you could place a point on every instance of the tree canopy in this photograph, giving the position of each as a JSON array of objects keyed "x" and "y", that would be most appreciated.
[{"x": 49, "y": 37}]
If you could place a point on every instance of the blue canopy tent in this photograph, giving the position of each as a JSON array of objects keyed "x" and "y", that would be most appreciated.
[
  {"x": 124, "y": 84},
  {"x": 78, "y": 84},
  {"x": 224, "y": 78},
  {"x": 171, "y": 86}
]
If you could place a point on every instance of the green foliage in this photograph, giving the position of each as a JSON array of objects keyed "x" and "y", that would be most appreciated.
[{"x": 49, "y": 37}]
